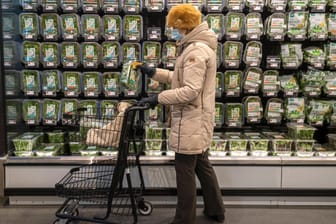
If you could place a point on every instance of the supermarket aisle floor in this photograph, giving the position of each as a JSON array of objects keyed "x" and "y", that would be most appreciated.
[{"x": 163, "y": 215}]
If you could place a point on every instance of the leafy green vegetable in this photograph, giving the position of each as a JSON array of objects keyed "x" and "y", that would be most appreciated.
[
  {"x": 56, "y": 136},
  {"x": 253, "y": 109},
  {"x": 232, "y": 83},
  {"x": 71, "y": 84},
  {"x": 295, "y": 109},
  {"x": 112, "y": 27},
  {"x": 218, "y": 145},
  {"x": 30, "y": 82},
  {"x": 90, "y": 106},
  {"x": 258, "y": 143},
  {"x": 234, "y": 114},
  {"x": 69, "y": 111},
  {"x": 13, "y": 111},
  {"x": 314, "y": 56},
  {"x": 252, "y": 80},
  {"x": 219, "y": 84},
  {"x": 151, "y": 53},
  {"x": 253, "y": 53},
  {"x": 297, "y": 25},
  {"x": 132, "y": 6},
  {"x": 29, "y": 28},
  {"x": 51, "y": 83},
  {"x": 50, "y": 55},
  {"x": 153, "y": 87},
  {"x": 319, "y": 111},
  {"x": 31, "y": 54},
  {"x": 276, "y": 26},
  {"x": 254, "y": 26},
  {"x": 50, "y": 26},
  {"x": 274, "y": 110},
  {"x": 291, "y": 55},
  {"x": 111, "y": 83},
  {"x": 332, "y": 25},
  {"x": 289, "y": 85},
  {"x": 132, "y": 27},
  {"x": 154, "y": 116},
  {"x": 111, "y": 56},
  {"x": 169, "y": 53},
  {"x": 317, "y": 29},
  {"x": 330, "y": 84},
  {"x": 232, "y": 52},
  {"x": 304, "y": 147},
  {"x": 70, "y": 54},
  {"x": 91, "y": 27},
  {"x": 300, "y": 131},
  {"x": 237, "y": 142},
  {"x": 91, "y": 55},
  {"x": 31, "y": 111},
  {"x": 51, "y": 111},
  {"x": 281, "y": 144},
  {"x": 311, "y": 82},
  {"x": 27, "y": 141},
  {"x": 91, "y": 84},
  {"x": 70, "y": 26},
  {"x": 131, "y": 52},
  {"x": 234, "y": 25},
  {"x": 219, "y": 114},
  {"x": 12, "y": 82},
  {"x": 216, "y": 24}
]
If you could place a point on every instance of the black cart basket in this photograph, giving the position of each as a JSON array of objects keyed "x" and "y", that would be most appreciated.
[{"x": 106, "y": 181}]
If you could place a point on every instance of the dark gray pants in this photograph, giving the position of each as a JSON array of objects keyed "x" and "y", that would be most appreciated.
[{"x": 186, "y": 166}]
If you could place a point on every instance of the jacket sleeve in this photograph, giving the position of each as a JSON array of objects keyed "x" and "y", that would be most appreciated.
[
  {"x": 163, "y": 75},
  {"x": 193, "y": 75}
]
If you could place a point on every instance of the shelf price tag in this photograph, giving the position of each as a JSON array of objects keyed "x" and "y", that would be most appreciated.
[
  {"x": 110, "y": 9},
  {"x": 47, "y": 121},
  {"x": 91, "y": 94},
  {"x": 89, "y": 9},
  {"x": 233, "y": 124},
  {"x": 30, "y": 121},
  {"x": 69, "y": 36},
  {"x": 11, "y": 121},
  {"x": 111, "y": 93}
]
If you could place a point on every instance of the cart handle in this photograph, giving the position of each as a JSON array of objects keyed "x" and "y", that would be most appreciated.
[{"x": 138, "y": 106}]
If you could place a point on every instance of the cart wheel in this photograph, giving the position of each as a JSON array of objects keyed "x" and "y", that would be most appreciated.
[{"x": 145, "y": 208}]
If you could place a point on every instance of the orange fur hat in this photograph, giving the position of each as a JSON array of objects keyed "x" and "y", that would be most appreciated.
[{"x": 184, "y": 16}]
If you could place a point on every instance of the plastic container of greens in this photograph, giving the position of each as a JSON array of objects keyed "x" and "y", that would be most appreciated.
[
  {"x": 49, "y": 5},
  {"x": 109, "y": 109},
  {"x": 130, "y": 80},
  {"x": 70, "y": 54},
  {"x": 216, "y": 24},
  {"x": 332, "y": 140},
  {"x": 270, "y": 83},
  {"x": 151, "y": 53},
  {"x": 274, "y": 111},
  {"x": 317, "y": 27},
  {"x": 91, "y": 84},
  {"x": 331, "y": 20},
  {"x": 26, "y": 142},
  {"x": 110, "y": 54},
  {"x": 319, "y": 112},
  {"x": 153, "y": 86},
  {"x": 50, "y": 26},
  {"x": 276, "y": 5},
  {"x": 314, "y": 56},
  {"x": 31, "y": 112},
  {"x": 110, "y": 6},
  {"x": 10, "y": 54},
  {"x": 329, "y": 87},
  {"x": 154, "y": 33},
  {"x": 153, "y": 147},
  {"x": 304, "y": 148},
  {"x": 131, "y": 6},
  {"x": 111, "y": 84},
  {"x": 13, "y": 111},
  {"x": 90, "y": 6},
  {"x": 29, "y": 5},
  {"x": 91, "y": 27},
  {"x": 31, "y": 54},
  {"x": 51, "y": 112},
  {"x": 301, "y": 131},
  {"x": 132, "y": 28},
  {"x": 255, "y": 5},
  {"x": 219, "y": 84},
  {"x": 297, "y": 5},
  {"x": 258, "y": 143},
  {"x": 169, "y": 53},
  {"x": 131, "y": 52},
  {"x": 68, "y": 112},
  {"x": 253, "y": 109},
  {"x": 90, "y": 107},
  {"x": 281, "y": 144},
  {"x": 112, "y": 27},
  {"x": 91, "y": 54},
  {"x": 12, "y": 83},
  {"x": 50, "y": 56},
  {"x": 49, "y": 149},
  {"x": 71, "y": 84},
  {"x": 232, "y": 52},
  {"x": 317, "y": 5},
  {"x": 291, "y": 55},
  {"x": 153, "y": 116},
  {"x": 219, "y": 114},
  {"x": 219, "y": 54},
  {"x": 312, "y": 82},
  {"x": 69, "y": 5},
  {"x": 30, "y": 82},
  {"x": 234, "y": 114},
  {"x": 330, "y": 51},
  {"x": 253, "y": 53},
  {"x": 253, "y": 26},
  {"x": 297, "y": 23},
  {"x": 155, "y": 6},
  {"x": 276, "y": 27},
  {"x": 218, "y": 145},
  {"x": 295, "y": 109},
  {"x": 252, "y": 80},
  {"x": 234, "y": 25},
  {"x": 233, "y": 82},
  {"x": 9, "y": 25},
  {"x": 289, "y": 85},
  {"x": 51, "y": 82},
  {"x": 70, "y": 26},
  {"x": 235, "y": 5},
  {"x": 237, "y": 144},
  {"x": 29, "y": 26},
  {"x": 214, "y": 5}
]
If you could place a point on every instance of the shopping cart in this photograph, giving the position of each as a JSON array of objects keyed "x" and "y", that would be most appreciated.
[{"x": 103, "y": 181}]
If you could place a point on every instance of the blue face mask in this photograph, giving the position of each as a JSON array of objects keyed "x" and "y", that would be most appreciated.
[{"x": 176, "y": 35}]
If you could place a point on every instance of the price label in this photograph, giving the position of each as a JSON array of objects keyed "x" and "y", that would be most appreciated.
[
  {"x": 232, "y": 64},
  {"x": 254, "y": 64},
  {"x": 233, "y": 124},
  {"x": 50, "y": 37},
  {"x": 9, "y": 92},
  {"x": 300, "y": 36},
  {"x": 30, "y": 121},
  {"x": 297, "y": 7},
  {"x": 31, "y": 64},
  {"x": 70, "y": 93},
  {"x": 69, "y": 8},
  {"x": 49, "y": 7},
  {"x": 109, "y": 64},
  {"x": 131, "y": 9},
  {"x": 332, "y": 93},
  {"x": 270, "y": 94},
  {"x": 91, "y": 37},
  {"x": 318, "y": 65},
  {"x": 274, "y": 65},
  {"x": 132, "y": 38},
  {"x": 256, "y": 8},
  {"x": 111, "y": 93},
  {"x": 50, "y": 64},
  {"x": 253, "y": 119},
  {"x": 5, "y": 6},
  {"x": 29, "y": 36},
  {"x": 234, "y": 36},
  {"x": 111, "y": 37},
  {"x": 236, "y": 7},
  {"x": 170, "y": 65},
  {"x": 30, "y": 93},
  {"x": 89, "y": 8},
  {"x": 300, "y": 120},
  {"x": 49, "y": 93},
  {"x": 153, "y": 36},
  {"x": 7, "y": 36},
  {"x": 69, "y": 36},
  {"x": 89, "y": 64},
  {"x": 11, "y": 122},
  {"x": 313, "y": 93},
  {"x": 69, "y": 64},
  {"x": 214, "y": 7},
  {"x": 28, "y": 7},
  {"x": 230, "y": 93},
  {"x": 321, "y": 37},
  {"x": 49, "y": 122},
  {"x": 7, "y": 64},
  {"x": 131, "y": 93},
  {"x": 320, "y": 8},
  {"x": 273, "y": 121},
  {"x": 155, "y": 8},
  {"x": 251, "y": 91},
  {"x": 319, "y": 123},
  {"x": 290, "y": 93},
  {"x": 291, "y": 64},
  {"x": 279, "y": 8},
  {"x": 254, "y": 37},
  {"x": 110, "y": 9},
  {"x": 91, "y": 94},
  {"x": 277, "y": 37}
]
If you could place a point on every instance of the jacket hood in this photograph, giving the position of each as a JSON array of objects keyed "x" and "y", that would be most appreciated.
[{"x": 201, "y": 33}]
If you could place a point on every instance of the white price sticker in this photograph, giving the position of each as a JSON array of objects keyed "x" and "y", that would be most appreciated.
[
  {"x": 236, "y": 7},
  {"x": 279, "y": 8},
  {"x": 277, "y": 37},
  {"x": 257, "y": 8},
  {"x": 9, "y": 92},
  {"x": 89, "y": 64},
  {"x": 30, "y": 121},
  {"x": 28, "y": 7},
  {"x": 110, "y": 9},
  {"x": 49, "y": 7},
  {"x": 49, "y": 122},
  {"x": 273, "y": 121},
  {"x": 69, "y": 8},
  {"x": 109, "y": 64},
  {"x": 69, "y": 64},
  {"x": 270, "y": 94},
  {"x": 313, "y": 93},
  {"x": 155, "y": 8},
  {"x": 29, "y": 36},
  {"x": 91, "y": 93},
  {"x": 31, "y": 64},
  {"x": 50, "y": 64},
  {"x": 49, "y": 93},
  {"x": 232, "y": 64},
  {"x": 153, "y": 36},
  {"x": 89, "y": 9},
  {"x": 132, "y": 38},
  {"x": 131, "y": 9},
  {"x": 297, "y": 7},
  {"x": 233, "y": 124},
  {"x": 274, "y": 65},
  {"x": 70, "y": 93},
  {"x": 69, "y": 36},
  {"x": 91, "y": 37},
  {"x": 254, "y": 37},
  {"x": 111, "y": 93},
  {"x": 7, "y": 36},
  {"x": 11, "y": 121},
  {"x": 7, "y": 64},
  {"x": 50, "y": 37},
  {"x": 111, "y": 38},
  {"x": 233, "y": 36},
  {"x": 300, "y": 120},
  {"x": 230, "y": 93}
]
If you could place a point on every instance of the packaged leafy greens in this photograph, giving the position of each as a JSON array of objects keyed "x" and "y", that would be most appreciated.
[
  {"x": 330, "y": 51},
  {"x": 312, "y": 82},
  {"x": 71, "y": 84},
  {"x": 274, "y": 111},
  {"x": 69, "y": 111},
  {"x": 295, "y": 109},
  {"x": 26, "y": 142},
  {"x": 218, "y": 145},
  {"x": 331, "y": 20},
  {"x": 153, "y": 86},
  {"x": 111, "y": 54},
  {"x": 151, "y": 52},
  {"x": 304, "y": 148},
  {"x": 51, "y": 82},
  {"x": 276, "y": 5},
  {"x": 90, "y": 6},
  {"x": 49, "y": 5},
  {"x": 281, "y": 144},
  {"x": 13, "y": 111},
  {"x": 297, "y": 5},
  {"x": 90, "y": 108},
  {"x": 300, "y": 131},
  {"x": 237, "y": 144},
  {"x": 276, "y": 27},
  {"x": 319, "y": 111},
  {"x": 70, "y": 57},
  {"x": 50, "y": 111},
  {"x": 314, "y": 56},
  {"x": 253, "y": 26},
  {"x": 289, "y": 85},
  {"x": 10, "y": 54},
  {"x": 31, "y": 112},
  {"x": 91, "y": 84},
  {"x": 132, "y": 6},
  {"x": 109, "y": 109},
  {"x": 31, "y": 54},
  {"x": 258, "y": 143},
  {"x": 29, "y": 26},
  {"x": 90, "y": 27},
  {"x": 270, "y": 84},
  {"x": 232, "y": 82},
  {"x": 111, "y": 84},
  {"x": 232, "y": 52},
  {"x": 91, "y": 54},
  {"x": 30, "y": 82},
  {"x": 130, "y": 80},
  {"x": 50, "y": 55},
  {"x": 50, "y": 26},
  {"x": 30, "y": 5},
  {"x": 219, "y": 54},
  {"x": 234, "y": 25},
  {"x": 112, "y": 27},
  {"x": 154, "y": 116},
  {"x": 252, "y": 80},
  {"x": 12, "y": 83},
  {"x": 9, "y": 25},
  {"x": 253, "y": 53},
  {"x": 235, "y": 5},
  {"x": 317, "y": 5},
  {"x": 8, "y": 5},
  {"x": 70, "y": 26},
  {"x": 333, "y": 116},
  {"x": 219, "y": 84},
  {"x": 169, "y": 53},
  {"x": 155, "y": 6},
  {"x": 255, "y": 5},
  {"x": 329, "y": 87},
  {"x": 214, "y": 5},
  {"x": 69, "y": 5},
  {"x": 132, "y": 27},
  {"x": 317, "y": 28},
  {"x": 297, "y": 25},
  {"x": 253, "y": 109},
  {"x": 154, "y": 133},
  {"x": 234, "y": 114},
  {"x": 291, "y": 55},
  {"x": 110, "y": 6},
  {"x": 216, "y": 24},
  {"x": 219, "y": 114},
  {"x": 154, "y": 33},
  {"x": 153, "y": 147},
  {"x": 131, "y": 52}
]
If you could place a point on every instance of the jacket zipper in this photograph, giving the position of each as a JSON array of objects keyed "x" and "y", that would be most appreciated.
[{"x": 179, "y": 133}]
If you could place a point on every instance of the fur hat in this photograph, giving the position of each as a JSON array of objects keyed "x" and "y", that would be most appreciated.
[{"x": 184, "y": 16}]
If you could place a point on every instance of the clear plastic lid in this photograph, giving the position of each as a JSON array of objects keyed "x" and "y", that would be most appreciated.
[
  {"x": 51, "y": 82},
  {"x": 112, "y": 25},
  {"x": 13, "y": 111},
  {"x": 31, "y": 112},
  {"x": 29, "y": 26},
  {"x": 216, "y": 24},
  {"x": 151, "y": 53},
  {"x": 50, "y": 26},
  {"x": 10, "y": 54},
  {"x": 131, "y": 52},
  {"x": 51, "y": 111},
  {"x": 31, "y": 54},
  {"x": 91, "y": 84},
  {"x": 71, "y": 84},
  {"x": 91, "y": 54},
  {"x": 70, "y": 26},
  {"x": 12, "y": 83},
  {"x": 132, "y": 28},
  {"x": 50, "y": 55},
  {"x": 111, "y": 84},
  {"x": 70, "y": 54},
  {"x": 111, "y": 54},
  {"x": 91, "y": 27},
  {"x": 234, "y": 25},
  {"x": 232, "y": 52}
]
